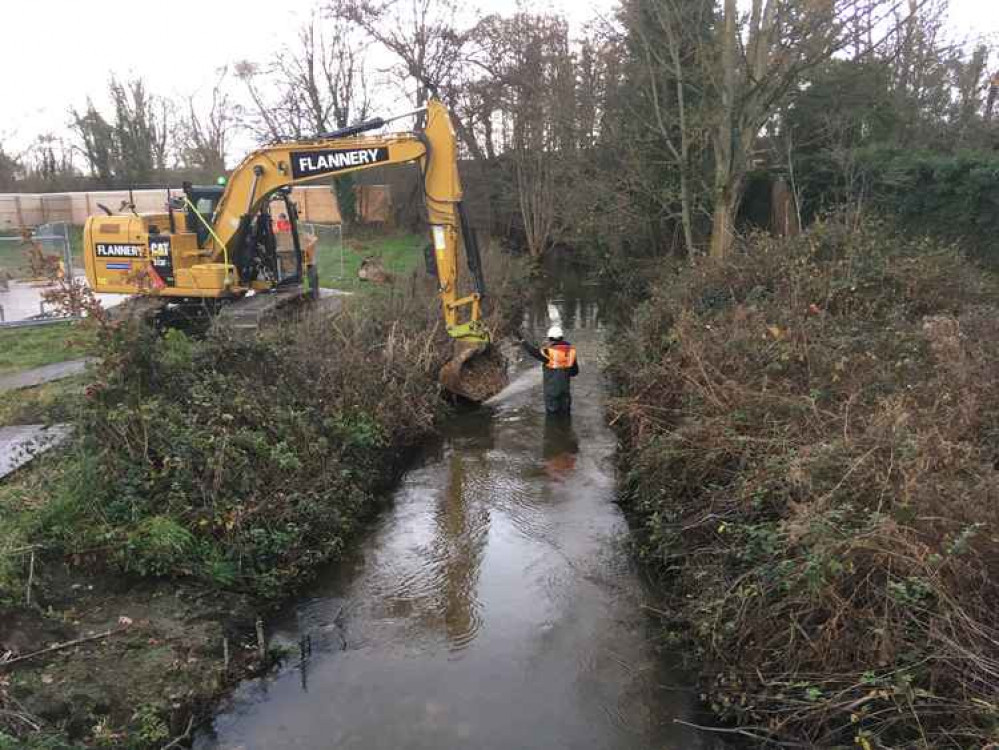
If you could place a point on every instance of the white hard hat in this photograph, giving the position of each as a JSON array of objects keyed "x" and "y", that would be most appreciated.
[{"x": 555, "y": 332}]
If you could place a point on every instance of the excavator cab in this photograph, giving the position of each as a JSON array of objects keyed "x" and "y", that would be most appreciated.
[{"x": 270, "y": 253}]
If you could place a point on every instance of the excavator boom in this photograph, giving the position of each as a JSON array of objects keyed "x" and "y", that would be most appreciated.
[{"x": 227, "y": 245}]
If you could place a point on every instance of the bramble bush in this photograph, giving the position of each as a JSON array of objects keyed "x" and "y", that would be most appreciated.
[
  {"x": 245, "y": 461},
  {"x": 811, "y": 430}
]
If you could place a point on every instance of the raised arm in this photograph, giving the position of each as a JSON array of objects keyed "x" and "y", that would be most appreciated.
[{"x": 434, "y": 149}]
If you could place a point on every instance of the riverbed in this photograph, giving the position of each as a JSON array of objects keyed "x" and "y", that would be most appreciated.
[{"x": 493, "y": 604}]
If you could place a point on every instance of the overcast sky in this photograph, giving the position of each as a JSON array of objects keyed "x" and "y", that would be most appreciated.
[{"x": 56, "y": 52}]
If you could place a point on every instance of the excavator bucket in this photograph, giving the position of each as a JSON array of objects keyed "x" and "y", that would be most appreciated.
[{"x": 476, "y": 371}]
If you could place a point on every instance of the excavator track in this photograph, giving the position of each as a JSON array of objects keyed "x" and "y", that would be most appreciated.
[
  {"x": 143, "y": 308},
  {"x": 245, "y": 316}
]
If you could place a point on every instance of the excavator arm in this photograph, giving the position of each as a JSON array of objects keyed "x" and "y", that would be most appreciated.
[
  {"x": 433, "y": 149},
  {"x": 227, "y": 245}
]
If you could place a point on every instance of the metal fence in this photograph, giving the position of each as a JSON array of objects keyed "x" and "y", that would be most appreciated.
[
  {"x": 51, "y": 240},
  {"x": 329, "y": 249},
  {"x": 25, "y": 265}
]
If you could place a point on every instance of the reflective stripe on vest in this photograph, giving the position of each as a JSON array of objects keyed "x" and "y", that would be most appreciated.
[{"x": 559, "y": 357}]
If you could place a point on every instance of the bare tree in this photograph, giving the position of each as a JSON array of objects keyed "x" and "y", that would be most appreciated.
[
  {"x": 666, "y": 33},
  {"x": 203, "y": 134},
  {"x": 759, "y": 65},
  {"x": 428, "y": 43},
  {"x": 422, "y": 34},
  {"x": 48, "y": 162},
  {"x": 530, "y": 59},
  {"x": 327, "y": 69},
  {"x": 266, "y": 126},
  {"x": 317, "y": 84}
]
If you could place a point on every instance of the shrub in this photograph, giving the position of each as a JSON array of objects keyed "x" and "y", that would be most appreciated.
[
  {"x": 246, "y": 461},
  {"x": 952, "y": 196},
  {"x": 812, "y": 464}
]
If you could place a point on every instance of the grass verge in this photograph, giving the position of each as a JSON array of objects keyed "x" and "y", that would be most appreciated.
[
  {"x": 33, "y": 346},
  {"x": 810, "y": 431},
  {"x": 58, "y": 401}
]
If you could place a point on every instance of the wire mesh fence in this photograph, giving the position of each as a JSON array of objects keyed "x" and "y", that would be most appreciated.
[
  {"x": 37, "y": 254},
  {"x": 28, "y": 263},
  {"x": 329, "y": 252}
]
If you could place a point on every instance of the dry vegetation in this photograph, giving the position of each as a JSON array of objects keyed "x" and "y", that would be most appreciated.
[{"x": 814, "y": 429}]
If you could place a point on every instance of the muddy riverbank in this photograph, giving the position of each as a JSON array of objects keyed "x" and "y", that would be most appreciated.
[{"x": 810, "y": 432}]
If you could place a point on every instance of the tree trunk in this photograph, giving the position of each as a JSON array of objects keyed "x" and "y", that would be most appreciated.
[
  {"x": 685, "y": 217},
  {"x": 722, "y": 225},
  {"x": 726, "y": 194}
]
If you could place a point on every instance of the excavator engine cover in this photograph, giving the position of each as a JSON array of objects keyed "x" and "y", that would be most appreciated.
[{"x": 476, "y": 371}]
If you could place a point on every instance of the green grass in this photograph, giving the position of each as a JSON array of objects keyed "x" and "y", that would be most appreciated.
[
  {"x": 25, "y": 348},
  {"x": 400, "y": 253}
]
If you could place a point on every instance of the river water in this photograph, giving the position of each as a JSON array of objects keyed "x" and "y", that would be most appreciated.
[{"x": 494, "y": 604}]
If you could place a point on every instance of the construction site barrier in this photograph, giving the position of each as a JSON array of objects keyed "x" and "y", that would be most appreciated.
[{"x": 315, "y": 204}]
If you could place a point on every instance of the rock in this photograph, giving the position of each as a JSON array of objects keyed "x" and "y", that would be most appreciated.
[{"x": 372, "y": 270}]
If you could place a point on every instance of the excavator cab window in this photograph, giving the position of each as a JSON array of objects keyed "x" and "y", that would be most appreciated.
[
  {"x": 204, "y": 198},
  {"x": 287, "y": 240}
]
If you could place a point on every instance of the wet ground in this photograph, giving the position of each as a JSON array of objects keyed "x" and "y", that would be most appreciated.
[{"x": 494, "y": 604}]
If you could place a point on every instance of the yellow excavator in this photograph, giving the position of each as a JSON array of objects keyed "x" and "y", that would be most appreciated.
[{"x": 216, "y": 246}]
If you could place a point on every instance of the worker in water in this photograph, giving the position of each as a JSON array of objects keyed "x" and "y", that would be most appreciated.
[{"x": 558, "y": 360}]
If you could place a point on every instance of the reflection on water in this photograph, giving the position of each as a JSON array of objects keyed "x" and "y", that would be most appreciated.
[
  {"x": 493, "y": 605},
  {"x": 560, "y": 446},
  {"x": 462, "y": 523}
]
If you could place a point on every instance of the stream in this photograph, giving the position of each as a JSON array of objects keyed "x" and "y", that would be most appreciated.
[{"x": 493, "y": 604}]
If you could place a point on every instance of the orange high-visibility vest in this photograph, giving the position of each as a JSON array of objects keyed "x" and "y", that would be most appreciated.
[{"x": 559, "y": 357}]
